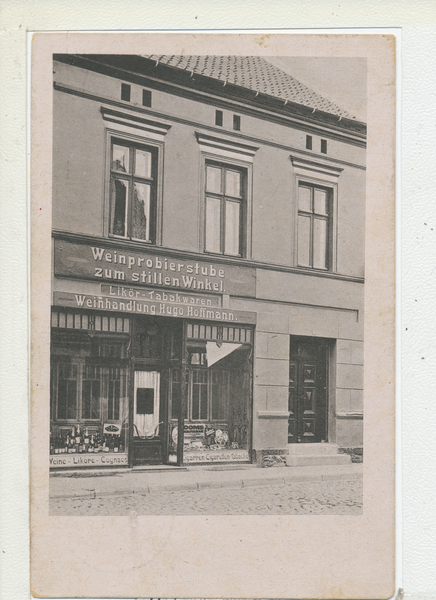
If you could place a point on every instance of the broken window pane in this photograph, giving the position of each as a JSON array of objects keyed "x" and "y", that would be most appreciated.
[
  {"x": 141, "y": 211},
  {"x": 213, "y": 224},
  {"x": 120, "y": 158},
  {"x": 120, "y": 190}
]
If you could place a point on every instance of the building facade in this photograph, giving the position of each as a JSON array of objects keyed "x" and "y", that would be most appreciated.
[{"x": 208, "y": 265}]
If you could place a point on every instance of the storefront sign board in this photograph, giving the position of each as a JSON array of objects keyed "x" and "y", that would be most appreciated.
[
  {"x": 125, "y": 267},
  {"x": 230, "y": 456},
  {"x": 87, "y": 459},
  {"x": 159, "y": 309},
  {"x": 158, "y": 295}
]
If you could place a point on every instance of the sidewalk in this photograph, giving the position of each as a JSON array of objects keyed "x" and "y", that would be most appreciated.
[{"x": 135, "y": 481}]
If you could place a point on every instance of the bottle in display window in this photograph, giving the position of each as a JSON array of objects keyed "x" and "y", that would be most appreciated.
[{"x": 80, "y": 439}]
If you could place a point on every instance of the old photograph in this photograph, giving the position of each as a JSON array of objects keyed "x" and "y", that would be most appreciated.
[
  {"x": 208, "y": 225},
  {"x": 212, "y": 315}
]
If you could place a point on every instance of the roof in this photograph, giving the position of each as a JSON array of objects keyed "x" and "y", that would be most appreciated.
[{"x": 254, "y": 73}]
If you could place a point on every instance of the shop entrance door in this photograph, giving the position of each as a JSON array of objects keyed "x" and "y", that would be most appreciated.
[
  {"x": 147, "y": 440},
  {"x": 308, "y": 390}
]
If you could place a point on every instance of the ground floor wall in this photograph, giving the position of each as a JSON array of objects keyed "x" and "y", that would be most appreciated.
[{"x": 279, "y": 323}]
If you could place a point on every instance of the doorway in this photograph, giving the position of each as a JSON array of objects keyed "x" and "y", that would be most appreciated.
[
  {"x": 308, "y": 390},
  {"x": 147, "y": 442}
]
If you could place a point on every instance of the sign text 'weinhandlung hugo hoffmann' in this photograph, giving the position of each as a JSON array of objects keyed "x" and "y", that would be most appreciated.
[
  {"x": 158, "y": 308},
  {"x": 115, "y": 265}
]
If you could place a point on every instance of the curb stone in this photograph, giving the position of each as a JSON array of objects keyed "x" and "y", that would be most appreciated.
[
  {"x": 236, "y": 484},
  {"x": 209, "y": 485}
]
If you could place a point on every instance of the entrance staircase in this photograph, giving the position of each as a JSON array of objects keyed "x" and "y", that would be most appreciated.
[{"x": 311, "y": 455}]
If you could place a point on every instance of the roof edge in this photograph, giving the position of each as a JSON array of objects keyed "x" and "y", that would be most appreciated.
[{"x": 142, "y": 67}]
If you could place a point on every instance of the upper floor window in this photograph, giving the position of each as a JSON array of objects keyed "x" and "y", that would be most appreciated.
[
  {"x": 133, "y": 191},
  {"x": 314, "y": 226},
  {"x": 225, "y": 207}
]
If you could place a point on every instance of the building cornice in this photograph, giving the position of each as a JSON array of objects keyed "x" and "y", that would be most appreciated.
[
  {"x": 225, "y": 146},
  {"x": 160, "y": 250},
  {"x": 303, "y": 166},
  {"x": 130, "y": 119}
]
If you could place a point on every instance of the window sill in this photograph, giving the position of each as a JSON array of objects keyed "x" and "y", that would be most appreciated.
[{"x": 121, "y": 238}]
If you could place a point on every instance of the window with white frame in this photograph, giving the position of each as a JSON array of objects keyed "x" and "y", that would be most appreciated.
[
  {"x": 226, "y": 195},
  {"x": 225, "y": 209},
  {"x": 133, "y": 182},
  {"x": 314, "y": 226},
  {"x": 317, "y": 188}
]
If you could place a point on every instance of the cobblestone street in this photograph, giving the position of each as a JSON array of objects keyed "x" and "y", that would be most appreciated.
[{"x": 302, "y": 498}]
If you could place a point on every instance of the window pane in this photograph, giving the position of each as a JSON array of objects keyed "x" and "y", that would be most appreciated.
[
  {"x": 220, "y": 394},
  {"x": 320, "y": 244},
  {"x": 91, "y": 393},
  {"x": 303, "y": 241},
  {"x": 304, "y": 199},
  {"x": 199, "y": 394},
  {"x": 233, "y": 184},
  {"x": 176, "y": 393},
  {"x": 120, "y": 158},
  {"x": 213, "y": 179},
  {"x": 203, "y": 406},
  {"x": 67, "y": 391},
  {"x": 213, "y": 209},
  {"x": 143, "y": 163},
  {"x": 116, "y": 389},
  {"x": 113, "y": 413},
  {"x": 141, "y": 211},
  {"x": 320, "y": 200},
  {"x": 232, "y": 228},
  {"x": 120, "y": 189}
]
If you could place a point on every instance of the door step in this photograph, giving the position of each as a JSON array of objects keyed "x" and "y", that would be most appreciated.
[
  {"x": 311, "y": 455},
  {"x": 312, "y": 449}
]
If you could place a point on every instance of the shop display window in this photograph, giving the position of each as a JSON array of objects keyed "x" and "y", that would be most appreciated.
[
  {"x": 88, "y": 392},
  {"x": 89, "y": 386},
  {"x": 217, "y": 425}
]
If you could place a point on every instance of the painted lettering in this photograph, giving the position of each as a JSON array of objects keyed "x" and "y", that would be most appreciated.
[
  {"x": 97, "y": 253},
  {"x": 80, "y": 299},
  {"x": 187, "y": 281}
]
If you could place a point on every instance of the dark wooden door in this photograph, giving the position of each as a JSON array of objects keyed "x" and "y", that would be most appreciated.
[{"x": 308, "y": 390}]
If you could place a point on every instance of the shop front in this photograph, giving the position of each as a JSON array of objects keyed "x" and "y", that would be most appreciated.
[
  {"x": 123, "y": 389},
  {"x": 142, "y": 375}
]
